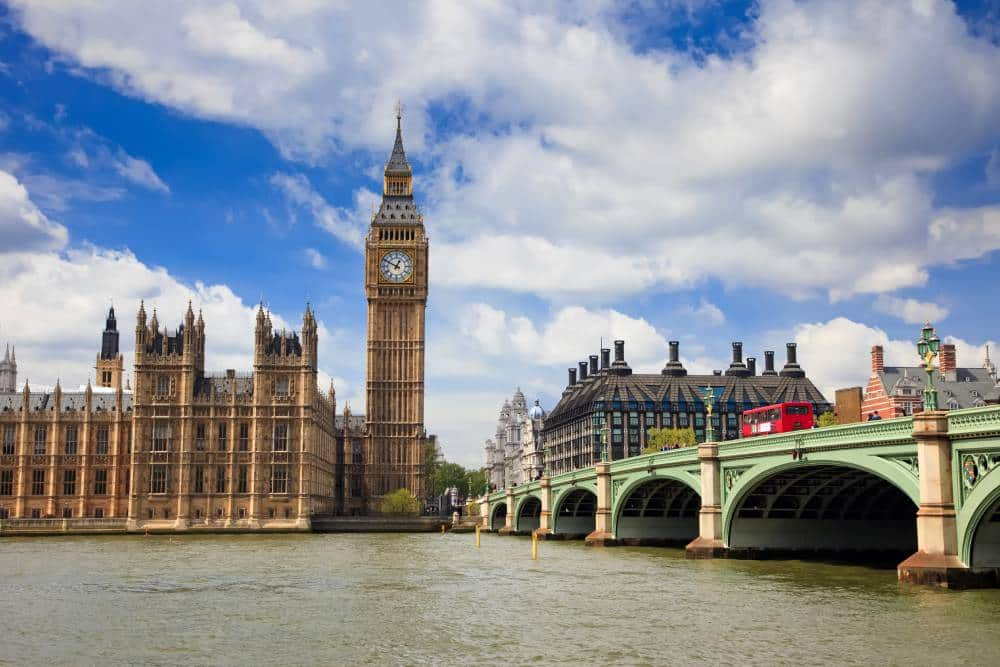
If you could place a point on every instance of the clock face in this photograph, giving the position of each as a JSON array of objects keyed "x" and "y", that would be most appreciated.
[{"x": 396, "y": 266}]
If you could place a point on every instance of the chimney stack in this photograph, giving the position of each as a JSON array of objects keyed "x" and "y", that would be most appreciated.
[
  {"x": 752, "y": 365},
  {"x": 737, "y": 368},
  {"x": 620, "y": 367},
  {"x": 605, "y": 358},
  {"x": 791, "y": 369},
  {"x": 583, "y": 370},
  {"x": 948, "y": 362},
  {"x": 769, "y": 363},
  {"x": 878, "y": 359},
  {"x": 572, "y": 377},
  {"x": 674, "y": 367},
  {"x": 593, "y": 365}
]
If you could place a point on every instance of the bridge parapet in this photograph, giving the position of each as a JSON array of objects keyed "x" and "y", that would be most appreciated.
[{"x": 864, "y": 434}]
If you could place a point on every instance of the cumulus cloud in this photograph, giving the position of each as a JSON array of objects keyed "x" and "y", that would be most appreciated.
[
  {"x": 565, "y": 339},
  {"x": 22, "y": 225},
  {"x": 811, "y": 148},
  {"x": 911, "y": 311},
  {"x": 837, "y": 353}
]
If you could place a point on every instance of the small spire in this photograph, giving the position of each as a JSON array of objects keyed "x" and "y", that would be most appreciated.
[{"x": 190, "y": 311}]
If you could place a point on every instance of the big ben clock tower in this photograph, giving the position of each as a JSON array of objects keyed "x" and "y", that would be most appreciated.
[{"x": 396, "y": 289}]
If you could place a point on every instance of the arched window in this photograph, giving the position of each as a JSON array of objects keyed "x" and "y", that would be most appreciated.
[{"x": 163, "y": 385}]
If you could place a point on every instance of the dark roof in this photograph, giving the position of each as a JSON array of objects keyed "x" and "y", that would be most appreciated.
[
  {"x": 102, "y": 401},
  {"x": 397, "y": 161},
  {"x": 355, "y": 423},
  {"x": 971, "y": 388},
  {"x": 224, "y": 385},
  {"x": 397, "y": 209},
  {"x": 652, "y": 390}
]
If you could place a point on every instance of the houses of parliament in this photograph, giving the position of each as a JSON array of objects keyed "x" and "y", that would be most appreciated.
[{"x": 187, "y": 449}]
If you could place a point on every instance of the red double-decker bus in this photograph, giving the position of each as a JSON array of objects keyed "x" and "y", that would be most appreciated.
[{"x": 779, "y": 418}]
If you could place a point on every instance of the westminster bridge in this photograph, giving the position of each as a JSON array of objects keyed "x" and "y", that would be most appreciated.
[{"x": 923, "y": 488}]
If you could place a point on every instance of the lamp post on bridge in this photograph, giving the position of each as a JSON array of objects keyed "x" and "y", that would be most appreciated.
[
  {"x": 709, "y": 398},
  {"x": 928, "y": 346}
]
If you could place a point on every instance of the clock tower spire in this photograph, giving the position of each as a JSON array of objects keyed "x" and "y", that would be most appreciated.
[{"x": 396, "y": 278}]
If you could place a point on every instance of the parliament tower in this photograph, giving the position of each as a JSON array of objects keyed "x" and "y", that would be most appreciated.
[{"x": 396, "y": 288}]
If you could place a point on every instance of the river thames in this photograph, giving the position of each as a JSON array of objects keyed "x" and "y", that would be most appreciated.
[{"x": 410, "y": 599}]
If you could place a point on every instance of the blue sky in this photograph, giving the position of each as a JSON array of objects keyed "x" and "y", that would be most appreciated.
[{"x": 708, "y": 171}]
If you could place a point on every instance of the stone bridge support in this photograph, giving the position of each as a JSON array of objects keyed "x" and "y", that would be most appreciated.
[
  {"x": 509, "y": 526},
  {"x": 937, "y": 561},
  {"x": 709, "y": 544},
  {"x": 484, "y": 511},
  {"x": 602, "y": 535},
  {"x": 545, "y": 517}
]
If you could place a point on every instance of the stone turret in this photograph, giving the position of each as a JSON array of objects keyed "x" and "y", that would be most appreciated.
[
  {"x": 8, "y": 371},
  {"x": 110, "y": 364}
]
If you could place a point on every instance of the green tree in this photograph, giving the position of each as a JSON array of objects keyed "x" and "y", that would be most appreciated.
[
  {"x": 448, "y": 475},
  {"x": 827, "y": 419},
  {"x": 400, "y": 501},
  {"x": 657, "y": 438},
  {"x": 476, "y": 481}
]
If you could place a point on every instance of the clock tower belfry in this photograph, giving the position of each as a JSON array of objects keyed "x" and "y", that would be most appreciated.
[{"x": 396, "y": 288}]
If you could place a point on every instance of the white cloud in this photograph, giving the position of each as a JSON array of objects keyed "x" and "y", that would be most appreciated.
[
  {"x": 138, "y": 171},
  {"x": 993, "y": 169},
  {"x": 572, "y": 334},
  {"x": 22, "y": 225},
  {"x": 808, "y": 153},
  {"x": 705, "y": 312},
  {"x": 315, "y": 258},
  {"x": 911, "y": 311},
  {"x": 837, "y": 353},
  {"x": 348, "y": 226}
]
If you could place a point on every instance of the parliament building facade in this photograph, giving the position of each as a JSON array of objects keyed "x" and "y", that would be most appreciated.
[{"x": 186, "y": 449}]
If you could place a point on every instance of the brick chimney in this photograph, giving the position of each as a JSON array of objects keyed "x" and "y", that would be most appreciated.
[
  {"x": 878, "y": 359},
  {"x": 947, "y": 362}
]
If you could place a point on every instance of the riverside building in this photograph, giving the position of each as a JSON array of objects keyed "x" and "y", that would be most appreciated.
[
  {"x": 516, "y": 454},
  {"x": 607, "y": 407}
]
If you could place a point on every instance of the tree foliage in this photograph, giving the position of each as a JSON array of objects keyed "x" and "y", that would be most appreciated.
[
  {"x": 448, "y": 475},
  {"x": 658, "y": 438},
  {"x": 400, "y": 501},
  {"x": 477, "y": 482},
  {"x": 827, "y": 419}
]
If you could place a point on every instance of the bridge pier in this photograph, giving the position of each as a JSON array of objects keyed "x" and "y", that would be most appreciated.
[
  {"x": 544, "y": 529},
  {"x": 509, "y": 527},
  {"x": 936, "y": 562},
  {"x": 602, "y": 536},
  {"x": 484, "y": 511},
  {"x": 709, "y": 544}
]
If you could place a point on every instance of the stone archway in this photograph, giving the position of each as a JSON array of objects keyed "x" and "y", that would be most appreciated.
[
  {"x": 576, "y": 513},
  {"x": 822, "y": 509},
  {"x": 498, "y": 518},
  {"x": 528, "y": 515},
  {"x": 658, "y": 511}
]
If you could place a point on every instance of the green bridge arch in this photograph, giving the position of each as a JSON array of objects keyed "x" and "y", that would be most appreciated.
[
  {"x": 578, "y": 520},
  {"x": 752, "y": 478},
  {"x": 976, "y": 512},
  {"x": 625, "y": 485}
]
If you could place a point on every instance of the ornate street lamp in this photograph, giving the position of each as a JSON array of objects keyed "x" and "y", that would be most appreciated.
[
  {"x": 709, "y": 398},
  {"x": 927, "y": 347}
]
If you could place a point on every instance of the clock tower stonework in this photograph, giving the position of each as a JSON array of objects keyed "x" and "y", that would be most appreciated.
[{"x": 396, "y": 288}]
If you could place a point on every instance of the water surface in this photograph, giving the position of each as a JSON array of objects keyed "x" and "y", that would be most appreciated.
[{"x": 407, "y": 599}]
